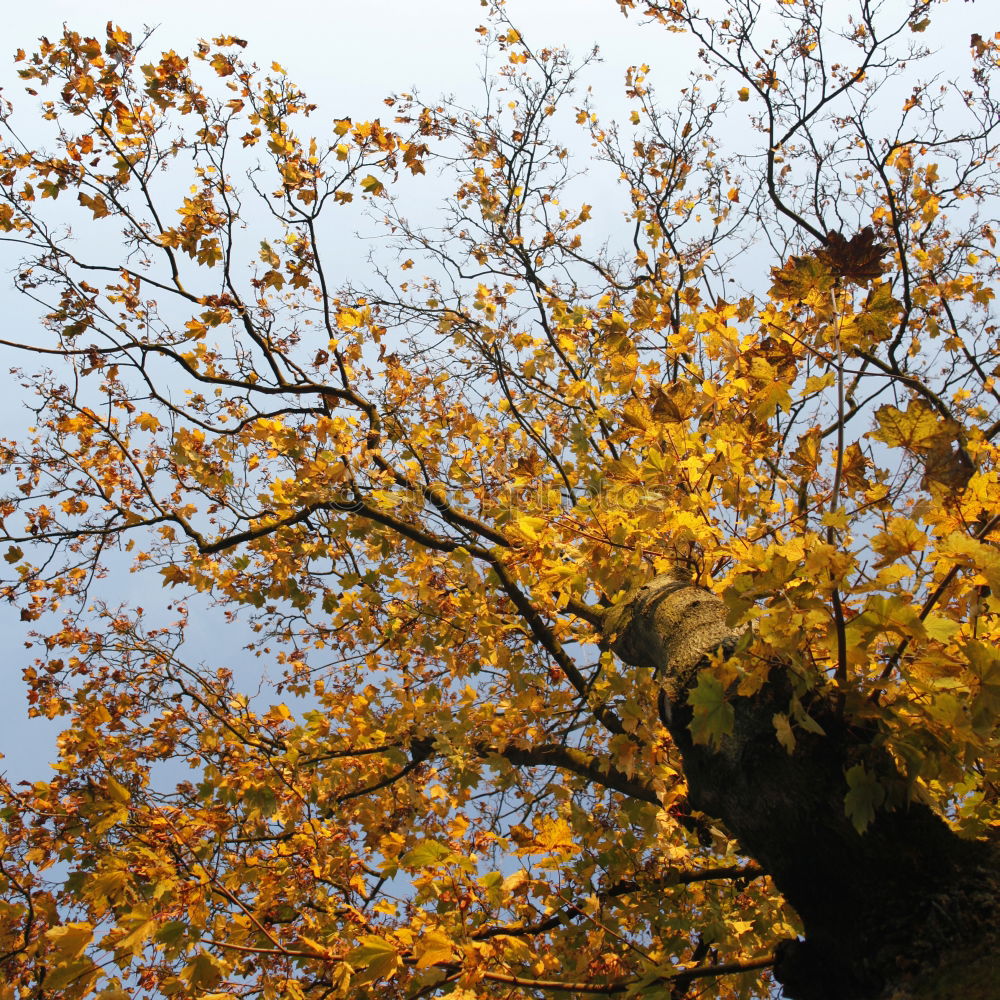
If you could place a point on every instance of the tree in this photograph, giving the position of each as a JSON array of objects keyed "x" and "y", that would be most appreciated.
[{"x": 634, "y": 606}]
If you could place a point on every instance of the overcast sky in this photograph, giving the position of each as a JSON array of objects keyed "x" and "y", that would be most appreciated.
[
  {"x": 347, "y": 56},
  {"x": 353, "y": 52}
]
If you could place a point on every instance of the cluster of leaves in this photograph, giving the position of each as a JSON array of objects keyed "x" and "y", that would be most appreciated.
[{"x": 422, "y": 495}]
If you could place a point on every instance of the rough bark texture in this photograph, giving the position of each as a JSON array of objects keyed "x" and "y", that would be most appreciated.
[{"x": 905, "y": 910}]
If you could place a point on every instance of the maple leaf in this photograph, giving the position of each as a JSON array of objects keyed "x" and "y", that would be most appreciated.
[
  {"x": 863, "y": 798},
  {"x": 859, "y": 259},
  {"x": 937, "y": 441},
  {"x": 799, "y": 278},
  {"x": 434, "y": 947},
  {"x": 376, "y": 956},
  {"x": 713, "y": 715}
]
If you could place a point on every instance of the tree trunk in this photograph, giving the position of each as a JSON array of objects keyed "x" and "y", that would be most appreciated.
[{"x": 906, "y": 909}]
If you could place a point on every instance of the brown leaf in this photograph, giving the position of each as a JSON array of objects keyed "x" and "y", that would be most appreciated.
[
  {"x": 947, "y": 466},
  {"x": 671, "y": 403},
  {"x": 859, "y": 259}
]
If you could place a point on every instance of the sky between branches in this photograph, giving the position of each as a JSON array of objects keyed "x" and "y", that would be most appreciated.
[{"x": 347, "y": 56}]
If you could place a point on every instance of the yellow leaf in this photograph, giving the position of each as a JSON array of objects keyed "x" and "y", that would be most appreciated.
[
  {"x": 983, "y": 558},
  {"x": 915, "y": 429},
  {"x": 783, "y": 730},
  {"x": 69, "y": 941},
  {"x": 78, "y": 974},
  {"x": 204, "y": 971},
  {"x": 432, "y": 948},
  {"x": 118, "y": 792},
  {"x": 636, "y": 415},
  {"x": 96, "y": 204},
  {"x": 348, "y": 319},
  {"x": 530, "y": 527},
  {"x": 376, "y": 955},
  {"x": 941, "y": 628}
]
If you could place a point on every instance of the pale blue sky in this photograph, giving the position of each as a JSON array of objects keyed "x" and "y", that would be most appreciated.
[
  {"x": 347, "y": 56},
  {"x": 353, "y": 52}
]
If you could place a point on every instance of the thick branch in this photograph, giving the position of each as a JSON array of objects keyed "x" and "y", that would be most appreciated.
[
  {"x": 623, "y": 888},
  {"x": 602, "y": 772},
  {"x": 898, "y": 893}
]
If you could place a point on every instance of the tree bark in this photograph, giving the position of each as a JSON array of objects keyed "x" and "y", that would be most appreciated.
[{"x": 906, "y": 909}]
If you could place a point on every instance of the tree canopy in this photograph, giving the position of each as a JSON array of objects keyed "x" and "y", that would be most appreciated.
[{"x": 628, "y": 573}]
